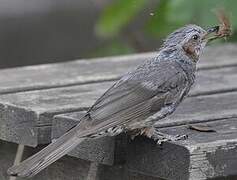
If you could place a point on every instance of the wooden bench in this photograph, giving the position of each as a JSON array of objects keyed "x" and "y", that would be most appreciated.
[{"x": 40, "y": 103}]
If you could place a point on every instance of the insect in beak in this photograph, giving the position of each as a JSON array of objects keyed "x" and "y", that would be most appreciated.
[{"x": 221, "y": 31}]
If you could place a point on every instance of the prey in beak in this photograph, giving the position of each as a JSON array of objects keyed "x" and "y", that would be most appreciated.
[{"x": 221, "y": 31}]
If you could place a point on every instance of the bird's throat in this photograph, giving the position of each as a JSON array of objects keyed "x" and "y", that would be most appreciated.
[{"x": 191, "y": 52}]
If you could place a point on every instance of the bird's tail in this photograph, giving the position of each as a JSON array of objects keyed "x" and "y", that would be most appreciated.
[{"x": 48, "y": 155}]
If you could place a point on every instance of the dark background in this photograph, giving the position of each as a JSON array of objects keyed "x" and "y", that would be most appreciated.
[{"x": 46, "y": 31}]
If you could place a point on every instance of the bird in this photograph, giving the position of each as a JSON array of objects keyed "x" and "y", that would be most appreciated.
[{"x": 140, "y": 98}]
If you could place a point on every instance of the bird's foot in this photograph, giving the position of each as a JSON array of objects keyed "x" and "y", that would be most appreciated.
[{"x": 160, "y": 137}]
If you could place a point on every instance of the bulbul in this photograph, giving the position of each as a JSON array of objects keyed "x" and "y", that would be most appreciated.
[{"x": 136, "y": 102}]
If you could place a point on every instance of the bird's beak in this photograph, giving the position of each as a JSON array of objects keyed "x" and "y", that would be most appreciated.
[
  {"x": 213, "y": 29},
  {"x": 209, "y": 34}
]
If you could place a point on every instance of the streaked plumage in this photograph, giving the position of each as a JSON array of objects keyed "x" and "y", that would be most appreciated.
[{"x": 140, "y": 98}]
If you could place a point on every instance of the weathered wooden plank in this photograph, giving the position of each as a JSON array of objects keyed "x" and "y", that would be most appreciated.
[
  {"x": 18, "y": 124},
  {"x": 94, "y": 171},
  {"x": 203, "y": 108},
  {"x": 201, "y": 156},
  {"x": 67, "y": 168},
  {"x": 217, "y": 56},
  {"x": 101, "y": 69},
  {"x": 217, "y": 151},
  {"x": 215, "y": 81},
  {"x": 82, "y": 96},
  {"x": 22, "y": 113},
  {"x": 192, "y": 110},
  {"x": 39, "y": 117}
]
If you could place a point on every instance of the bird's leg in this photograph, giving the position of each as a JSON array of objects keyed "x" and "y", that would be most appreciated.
[
  {"x": 161, "y": 114},
  {"x": 160, "y": 137}
]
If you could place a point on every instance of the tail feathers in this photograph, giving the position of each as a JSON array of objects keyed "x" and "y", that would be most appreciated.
[{"x": 48, "y": 155}]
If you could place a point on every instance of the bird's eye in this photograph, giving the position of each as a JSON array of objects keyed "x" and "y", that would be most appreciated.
[{"x": 195, "y": 37}]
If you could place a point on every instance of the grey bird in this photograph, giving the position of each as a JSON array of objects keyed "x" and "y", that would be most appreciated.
[{"x": 135, "y": 102}]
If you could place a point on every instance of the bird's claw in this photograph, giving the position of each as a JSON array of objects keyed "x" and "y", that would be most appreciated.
[{"x": 160, "y": 138}]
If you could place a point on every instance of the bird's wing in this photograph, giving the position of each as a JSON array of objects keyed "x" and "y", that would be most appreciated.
[
  {"x": 138, "y": 95},
  {"x": 133, "y": 98}
]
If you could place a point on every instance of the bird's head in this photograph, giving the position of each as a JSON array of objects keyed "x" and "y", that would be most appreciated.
[{"x": 191, "y": 39}]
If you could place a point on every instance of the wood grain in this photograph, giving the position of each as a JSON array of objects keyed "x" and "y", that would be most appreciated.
[
  {"x": 199, "y": 109},
  {"x": 94, "y": 70},
  {"x": 67, "y": 168},
  {"x": 32, "y": 96},
  {"x": 27, "y": 116},
  {"x": 201, "y": 156}
]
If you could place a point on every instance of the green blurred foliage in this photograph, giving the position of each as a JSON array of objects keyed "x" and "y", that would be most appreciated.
[
  {"x": 165, "y": 17},
  {"x": 117, "y": 15},
  {"x": 159, "y": 24},
  {"x": 202, "y": 12}
]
